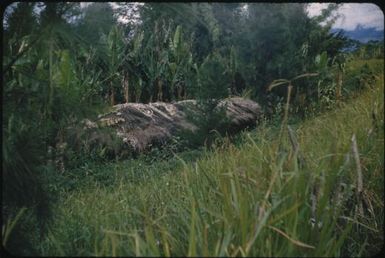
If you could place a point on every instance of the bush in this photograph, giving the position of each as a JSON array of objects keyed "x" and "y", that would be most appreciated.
[
  {"x": 22, "y": 154},
  {"x": 359, "y": 79},
  {"x": 213, "y": 85}
]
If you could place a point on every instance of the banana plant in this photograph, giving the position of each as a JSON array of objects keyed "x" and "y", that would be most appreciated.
[
  {"x": 89, "y": 74},
  {"x": 133, "y": 66},
  {"x": 232, "y": 68},
  {"x": 115, "y": 56},
  {"x": 321, "y": 63},
  {"x": 150, "y": 63},
  {"x": 65, "y": 74},
  {"x": 155, "y": 61},
  {"x": 182, "y": 62},
  {"x": 175, "y": 51}
]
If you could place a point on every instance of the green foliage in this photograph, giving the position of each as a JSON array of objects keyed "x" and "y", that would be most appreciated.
[
  {"x": 98, "y": 20},
  {"x": 208, "y": 115},
  {"x": 245, "y": 200},
  {"x": 181, "y": 65},
  {"x": 213, "y": 83},
  {"x": 372, "y": 49},
  {"x": 23, "y": 184},
  {"x": 42, "y": 91},
  {"x": 360, "y": 79},
  {"x": 66, "y": 63}
]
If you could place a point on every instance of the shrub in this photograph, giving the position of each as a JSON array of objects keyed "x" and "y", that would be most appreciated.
[{"x": 213, "y": 85}]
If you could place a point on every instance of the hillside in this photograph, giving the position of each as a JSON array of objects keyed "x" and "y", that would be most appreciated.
[
  {"x": 363, "y": 34},
  {"x": 190, "y": 129},
  {"x": 240, "y": 198}
]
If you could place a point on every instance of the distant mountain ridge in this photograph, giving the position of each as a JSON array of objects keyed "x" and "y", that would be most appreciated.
[{"x": 362, "y": 34}]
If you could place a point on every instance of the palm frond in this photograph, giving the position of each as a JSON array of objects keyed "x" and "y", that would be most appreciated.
[
  {"x": 304, "y": 75},
  {"x": 276, "y": 83}
]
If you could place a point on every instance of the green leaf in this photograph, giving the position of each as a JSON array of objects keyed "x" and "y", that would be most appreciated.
[
  {"x": 304, "y": 75},
  {"x": 276, "y": 83},
  {"x": 138, "y": 42},
  {"x": 321, "y": 60},
  {"x": 173, "y": 67},
  {"x": 65, "y": 67},
  {"x": 177, "y": 38}
]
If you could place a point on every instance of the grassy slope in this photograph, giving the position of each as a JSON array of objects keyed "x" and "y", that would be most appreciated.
[{"x": 237, "y": 200}]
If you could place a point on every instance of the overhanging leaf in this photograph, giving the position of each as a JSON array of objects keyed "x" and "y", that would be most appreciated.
[
  {"x": 276, "y": 83},
  {"x": 304, "y": 75}
]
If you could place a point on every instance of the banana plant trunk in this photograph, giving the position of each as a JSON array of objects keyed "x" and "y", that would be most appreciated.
[
  {"x": 185, "y": 94},
  {"x": 179, "y": 90},
  {"x": 126, "y": 87},
  {"x": 233, "y": 85},
  {"x": 112, "y": 96},
  {"x": 160, "y": 93}
]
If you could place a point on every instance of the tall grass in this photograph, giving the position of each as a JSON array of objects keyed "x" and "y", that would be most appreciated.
[{"x": 240, "y": 200}]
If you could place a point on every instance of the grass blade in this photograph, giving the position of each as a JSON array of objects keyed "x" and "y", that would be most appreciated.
[{"x": 295, "y": 242}]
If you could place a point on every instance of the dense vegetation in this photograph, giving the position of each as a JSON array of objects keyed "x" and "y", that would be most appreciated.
[{"x": 276, "y": 190}]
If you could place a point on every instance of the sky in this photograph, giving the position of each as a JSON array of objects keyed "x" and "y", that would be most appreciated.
[{"x": 353, "y": 14}]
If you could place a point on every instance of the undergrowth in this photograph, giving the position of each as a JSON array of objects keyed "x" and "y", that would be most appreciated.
[{"x": 299, "y": 195}]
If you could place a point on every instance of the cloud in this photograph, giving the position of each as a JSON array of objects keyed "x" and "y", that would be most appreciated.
[
  {"x": 84, "y": 4},
  {"x": 315, "y": 8},
  {"x": 352, "y": 15}
]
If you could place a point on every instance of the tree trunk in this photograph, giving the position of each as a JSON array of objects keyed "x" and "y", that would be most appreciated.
[
  {"x": 185, "y": 93},
  {"x": 112, "y": 96},
  {"x": 160, "y": 93},
  {"x": 126, "y": 93},
  {"x": 179, "y": 90},
  {"x": 137, "y": 96},
  {"x": 233, "y": 90},
  {"x": 50, "y": 93}
]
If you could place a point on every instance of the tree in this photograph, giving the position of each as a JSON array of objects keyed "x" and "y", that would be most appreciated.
[
  {"x": 35, "y": 74},
  {"x": 98, "y": 19}
]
